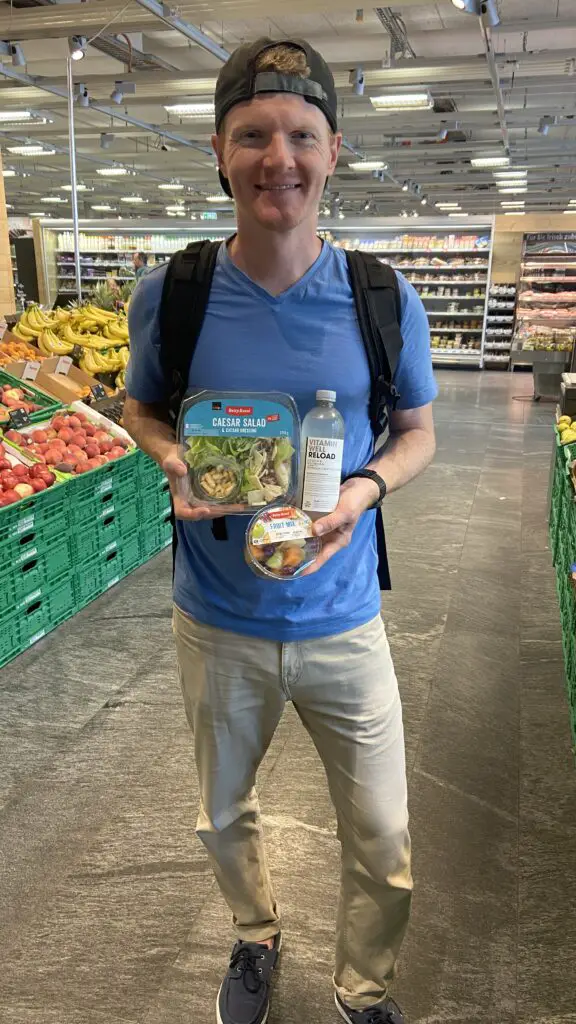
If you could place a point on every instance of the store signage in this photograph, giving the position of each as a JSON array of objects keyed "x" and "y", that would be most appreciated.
[
  {"x": 77, "y": 352},
  {"x": 30, "y": 371},
  {"x": 63, "y": 365},
  {"x": 19, "y": 418},
  {"x": 98, "y": 391},
  {"x": 209, "y": 215}
]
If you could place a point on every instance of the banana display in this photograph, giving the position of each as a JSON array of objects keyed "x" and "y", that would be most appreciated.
[{"x": 101, "y": 334}]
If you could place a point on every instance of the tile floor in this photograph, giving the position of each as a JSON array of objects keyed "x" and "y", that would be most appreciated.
[{"x": 108, "y": 912}]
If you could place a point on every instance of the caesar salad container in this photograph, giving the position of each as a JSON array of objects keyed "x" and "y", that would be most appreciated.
[
  {"x": 280, "y": 543},
  {"x": 241, "y": 449}
]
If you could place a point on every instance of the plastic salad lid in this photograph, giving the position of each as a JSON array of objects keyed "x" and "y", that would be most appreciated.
[{"x": 280, "y": 543}]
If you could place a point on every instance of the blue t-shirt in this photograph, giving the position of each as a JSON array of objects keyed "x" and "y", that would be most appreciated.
[{"x": 304, "y": 339}]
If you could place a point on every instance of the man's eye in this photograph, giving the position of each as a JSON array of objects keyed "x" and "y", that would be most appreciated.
[{"x": 303, "y": 136}]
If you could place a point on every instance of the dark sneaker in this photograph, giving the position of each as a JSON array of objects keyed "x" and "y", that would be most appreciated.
[
  {"x": 244, "y": 996},
  {"x": 387, "y": 1012}
]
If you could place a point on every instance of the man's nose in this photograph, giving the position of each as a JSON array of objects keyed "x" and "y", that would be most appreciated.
[{"x": 279, "y": 152}]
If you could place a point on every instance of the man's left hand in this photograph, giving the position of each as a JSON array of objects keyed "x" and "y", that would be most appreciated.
[{"x": 337, "y": 528}]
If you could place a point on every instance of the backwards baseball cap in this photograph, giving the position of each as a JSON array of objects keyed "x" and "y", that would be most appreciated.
[{"x": 239, "y": 81}]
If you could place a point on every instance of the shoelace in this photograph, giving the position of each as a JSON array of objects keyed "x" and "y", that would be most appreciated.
[{"x": 246, "y": 962}]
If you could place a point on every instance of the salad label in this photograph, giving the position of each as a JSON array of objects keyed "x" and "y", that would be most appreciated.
[
  {"x": 229, "y": 417},
  {"x": 281, "y": 524}
]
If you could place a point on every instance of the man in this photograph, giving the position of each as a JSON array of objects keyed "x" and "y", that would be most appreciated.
[
  {"x": 140, "y": 261},
  {"x": 281, "y": 316}
]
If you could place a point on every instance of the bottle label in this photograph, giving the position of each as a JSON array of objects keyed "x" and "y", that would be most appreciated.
[{"x": 322, "y": 473}]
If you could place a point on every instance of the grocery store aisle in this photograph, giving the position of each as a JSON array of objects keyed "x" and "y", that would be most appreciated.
[{"x": 109, "y": 912}]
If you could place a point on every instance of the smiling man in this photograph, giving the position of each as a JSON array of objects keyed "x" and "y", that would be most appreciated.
[{"x": 281, "y": 317}]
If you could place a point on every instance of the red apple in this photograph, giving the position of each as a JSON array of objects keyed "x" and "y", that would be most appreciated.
[
  {"x": 24, "y": 490},
  {"x": 82, "y": 467},
  {"x": 52, "y": 456},
  {"x": 117, "y": 452},
  {"x": 37, "y": 470},
  {"x": 58, "y": 423},
  {"x": 15, "y": 436},
  {"x": 8, "y": 480},
  {"x": 102, "y": 435},
  {"x": 4, "y": 464},
  {"x": 48, "y": 477},
  {"x": 81, "y": 456},
  {"x": 65, "y": 434},
  {"x": 9, "y": 497},
  {"x": 79, "y": 438},
  {"x": 105, "y": 446},
  {"x": 51, "y": 433},
  {"x": 39, "y": 436},
  {"x": 74, "y": 422},
  {"x": 38, "y": 485},
  {"x": 92, "y": 450},
  {"x": 89, "y": 429},
  {"x": 21, "y": 471}
]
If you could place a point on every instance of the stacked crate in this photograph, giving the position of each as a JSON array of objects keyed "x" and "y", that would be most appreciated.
[
  {"x": 562, "y": 526},
  {"x": 65, "y": 546}
]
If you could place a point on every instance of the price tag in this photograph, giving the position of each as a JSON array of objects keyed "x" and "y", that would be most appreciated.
[
  {"x": 98, "y": 391},
  {"x": 30, "y": 371},
  {"x": 77, "y": 352},
  {"x": 63, "y": 365},
  {"x": 19, "y": 418}
]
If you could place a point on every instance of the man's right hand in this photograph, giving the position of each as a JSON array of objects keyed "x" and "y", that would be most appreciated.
[{"x": 176, "y": 470}]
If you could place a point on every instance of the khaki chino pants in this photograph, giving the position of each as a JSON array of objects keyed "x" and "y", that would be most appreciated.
[{"x": 345, "y": 691}]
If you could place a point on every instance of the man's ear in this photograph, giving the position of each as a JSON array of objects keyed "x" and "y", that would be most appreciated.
[
  {"x": 335, "y": 145},
  {"x": 218, "y": 147}
]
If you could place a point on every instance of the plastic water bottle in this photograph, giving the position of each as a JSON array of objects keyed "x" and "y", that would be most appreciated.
[{"x": 322, "y": 450}]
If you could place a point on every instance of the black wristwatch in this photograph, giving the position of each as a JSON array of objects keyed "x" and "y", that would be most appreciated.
[{"x": 369, "y": 474}]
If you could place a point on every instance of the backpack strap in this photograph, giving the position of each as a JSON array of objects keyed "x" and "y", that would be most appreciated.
[
  {"x": 379, "y": 310},
  {"x": 182, "y": 310},
  {"x": 183, "y": 307}
]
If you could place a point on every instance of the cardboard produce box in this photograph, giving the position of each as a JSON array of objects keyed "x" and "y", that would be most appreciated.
[{"x": 59, "y": 377}]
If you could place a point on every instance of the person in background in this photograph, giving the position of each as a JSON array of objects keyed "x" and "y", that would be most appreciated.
[
  {"x": 140, "y": 261},
  {"x": 281, "y": 306}
]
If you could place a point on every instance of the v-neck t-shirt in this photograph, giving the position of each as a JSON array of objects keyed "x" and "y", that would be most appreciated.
[{"x": 304, "y": 339}]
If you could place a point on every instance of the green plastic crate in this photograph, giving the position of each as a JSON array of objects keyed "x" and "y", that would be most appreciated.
[
  {"x": 35, "y": 537},
  {"x": 88, "y": 540},
  {"x": 104, "y": 569},
  {"x": 154, "y": 500},
  {"x": 148, "y": 469},
  {"x": 33, "y": 568},
  {"x": 123, "y": 502},
  {"x": 29, "y": 514},
  {"x": 111, "y": 477},
  {"x": 48, "y": 404},
  {"x": 155, "y": 535},
  {"x": 45, "y": 609}
]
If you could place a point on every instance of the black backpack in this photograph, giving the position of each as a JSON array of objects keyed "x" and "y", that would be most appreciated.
[{"x": 185, "y": 298}]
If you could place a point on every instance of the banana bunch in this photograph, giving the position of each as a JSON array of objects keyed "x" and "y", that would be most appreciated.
[
  {"x": 33, "y": 322},
  {"x": 120, "y": 380},
  {"x": 51, "y": 345},
  {"x": 116, "y": 332},
  {"x": 93, "y": 361}
]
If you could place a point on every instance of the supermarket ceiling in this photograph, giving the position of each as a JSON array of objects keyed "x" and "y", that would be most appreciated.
[{"x": 505, "y": 93}]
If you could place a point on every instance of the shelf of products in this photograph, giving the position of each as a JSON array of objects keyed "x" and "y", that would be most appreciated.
[
  {"x": 546, "y": 308},
  {"x": 500, "y": 321},
  {"x": 451, "y": 278}
]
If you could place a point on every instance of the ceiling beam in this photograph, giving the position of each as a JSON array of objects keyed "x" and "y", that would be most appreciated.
[{"x": 164, "y": 14}]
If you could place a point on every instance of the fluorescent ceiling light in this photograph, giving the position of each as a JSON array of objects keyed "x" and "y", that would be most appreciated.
[
  {"x": 9, "y": 206},
  {"x": 513, "y": 202},
  {"x": 80, "y": 187},
  {"x": 459, "y": 214},
  {"x": 368, "y": 165},
  {"x": 14, "y": 115},
  {"x": 448, "y": 206},
  {"x": 513, "y": 191},
  {"x": 570, "y": 211},
  {"x": 9, "y": 173},
  {"x": 490, "y": 161},
  {"x": 30, "y": 150},
  {"x": 512, "y": 183},
  {"x": 171, "y": 186},
  {"x": 111, "y": 172},
  {"x": 515, "y": 213},
  {"x": 174, "y": 209},
  {"x": 38, "y": 213},
  {"x": 53, "y": 199},
  {"x": 512, "y": 173},
  {"x": 101, "y": 206},
  {"x": 403, "y": 101},
  {"x": 191, "y": 109},
  {"x": 132, "y": 199},
  {"x": 572, "y": 202},
  {"x": 218, "y": 199}
]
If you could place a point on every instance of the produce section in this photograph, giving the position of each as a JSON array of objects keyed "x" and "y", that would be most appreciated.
[{"x": 546, "y": 308}]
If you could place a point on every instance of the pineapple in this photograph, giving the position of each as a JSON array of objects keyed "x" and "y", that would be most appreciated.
[{"x": 104, "y": 296}]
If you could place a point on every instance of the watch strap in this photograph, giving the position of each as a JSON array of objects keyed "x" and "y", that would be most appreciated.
[{"x": 370, "y": 474}]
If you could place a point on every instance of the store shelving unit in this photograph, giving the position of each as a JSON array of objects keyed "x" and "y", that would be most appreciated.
[
  {"x": 449, "y": 265},
  {"x": 500, "y": 321},
  {"x": 546, "y": 307}
]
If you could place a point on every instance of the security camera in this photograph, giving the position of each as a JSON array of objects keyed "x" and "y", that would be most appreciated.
[
  {"x": 164, "y": 147},
  {"x": 356, "y": 79}
]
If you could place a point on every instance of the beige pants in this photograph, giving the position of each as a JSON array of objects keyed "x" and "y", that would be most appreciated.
[{"x": 345, "y": 692}]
